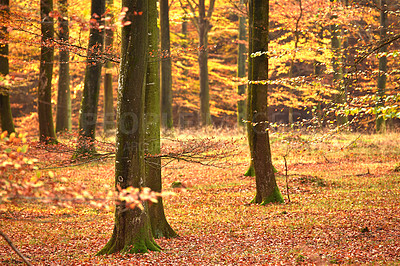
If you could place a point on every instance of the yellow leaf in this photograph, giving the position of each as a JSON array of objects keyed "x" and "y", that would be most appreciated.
[{"x": 12, "y": 136}]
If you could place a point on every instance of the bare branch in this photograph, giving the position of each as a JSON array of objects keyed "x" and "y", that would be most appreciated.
[{"x": 10, "y": 243}]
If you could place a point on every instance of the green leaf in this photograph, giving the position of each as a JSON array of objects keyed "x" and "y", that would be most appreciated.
[{"x": 24, "y": 148}]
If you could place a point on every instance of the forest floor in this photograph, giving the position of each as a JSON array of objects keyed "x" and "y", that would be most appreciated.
[{"x": 344, "y": 208}]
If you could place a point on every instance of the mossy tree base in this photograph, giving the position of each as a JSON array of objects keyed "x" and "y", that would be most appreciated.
[
  {"x": 250, "y": 171},
  {"x": 131, "y": 234},
  {"x": 85, "y": 152},
  {"x": 274, "y": 197}
]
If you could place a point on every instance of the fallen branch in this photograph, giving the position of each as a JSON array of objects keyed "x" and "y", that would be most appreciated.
[{"x": 15, "y": 248}]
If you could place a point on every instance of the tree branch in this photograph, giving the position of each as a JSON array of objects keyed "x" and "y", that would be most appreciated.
[
  {"x": 10, "y": 243},
  {"x": 379, "y": 46}
]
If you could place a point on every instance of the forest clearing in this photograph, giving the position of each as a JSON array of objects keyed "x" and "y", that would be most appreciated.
[
  {"x": 344, "y": 209},
  {"x": 199, "y": 132}
]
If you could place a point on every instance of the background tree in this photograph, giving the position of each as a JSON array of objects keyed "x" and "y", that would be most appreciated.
[
  {"x": 90, "y": 97},
  {"x": 46, "y": 126},
  {"x": 337, "y": 65},
  {"x": 166, "y": 67},
  {"x": 159, "y": 225},
  {"x": 202, "y": 23},
  {"x": 132, "y": 229},
  {"x": 380, "y": 120},
  {"x": 7, "y": 123},
  {"x": 63, "y": 115},
  {"x": 296, "y": 45},
  {"x": 109, "y": 123},
  {"x": 266, "y": 188},
  {"x": 241, "y": 71}
]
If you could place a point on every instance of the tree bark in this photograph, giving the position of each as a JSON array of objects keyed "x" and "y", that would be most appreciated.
[
  {"x": 108, "y": 123},
  {"x": 241, "y": 72},
  {"x": 159, "y": 225},
  {"x": 166, "y": 67},
  {"x": 266, "y": 188},
  {"x": 90, "y": 98},
  {"x": 380, "y": 121},
  {"x": 294, "y": 53},
  {"x": 6, "y": 118},
  {"x": 203, "y": 27},
  {"x": 340, "y": 97},
  {"x": 63, "y": 115},
  {"x": 45, "y": 113},
  {"x": 132, "y": 232}
]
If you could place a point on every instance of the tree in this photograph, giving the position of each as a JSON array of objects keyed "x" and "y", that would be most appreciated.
[
  {"x": 91, "y": 89},
  {"x": 203, "y": 26},
  {"x": 46, "y": 126},
  {"x": 296, "y": 45},
  {"x": 159, "y": 225},
  {"x": 166, "y": 67},
  {"x": 380, "y": 121},
  {"x": 63, "y": 115},
  {"x": 7, "y": 123},
  {"x": 266, "y": 188},
  {"x": 132, "y": 230},
  {"x": 109, "y": 123},
  {"x": 241, "y": 72},
  {"x": 337, "y": 65}
]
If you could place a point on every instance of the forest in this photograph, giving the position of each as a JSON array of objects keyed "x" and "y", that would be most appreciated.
[{"x": 199, "y": 132}]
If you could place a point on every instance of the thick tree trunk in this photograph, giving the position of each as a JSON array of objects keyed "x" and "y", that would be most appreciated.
[
  {"x": 132, "y": 232},
  {"x": 109, "y": 123},
  {"x": 380, "y": 121},
  {"x": 266, "y": 188},
  {"x": 7, "y": 123},
  {"x": 90, "y": 98},
  {"x": 203, "y": 27},
  {"x": 46, "y": 126},
  {"x": 63, "y": 115},
  {"x": 159, "y": 225},
  {"x": 166, "y": 67},
  {"x": 241, "y": 72}
]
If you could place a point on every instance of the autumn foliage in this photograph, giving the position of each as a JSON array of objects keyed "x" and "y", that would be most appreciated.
[{"x": 339, "y": 182}]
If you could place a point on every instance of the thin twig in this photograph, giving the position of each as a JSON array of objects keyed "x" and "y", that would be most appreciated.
[{"x": 286, "y": 178}]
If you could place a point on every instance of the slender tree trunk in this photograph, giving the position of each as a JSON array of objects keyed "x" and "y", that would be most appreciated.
[
  {"x": 266, "y": 188},
  {"x": 90, "y": 98},
  {"x": 184, "y": 46},
  {"x": 63, "y": 115},
  {"x": 109, "y": 123},
  {"x": 132, "y": 230},
  {"x": 338, "y": 69},
  {"x": 166, "y": 67},
  {"x": 380, "y": 121},
  {"x": 241, "y": 72},
  {"x": 203, "y": 65},
  {"x": 159, "y": 225},
  {"x": 249, "y": 115},
  {"x": 46, "y": 126},
  {"x": 294, "y": 53},
  {"x": 7, "y": 123},
  {"x": 318, "y": 72}
]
